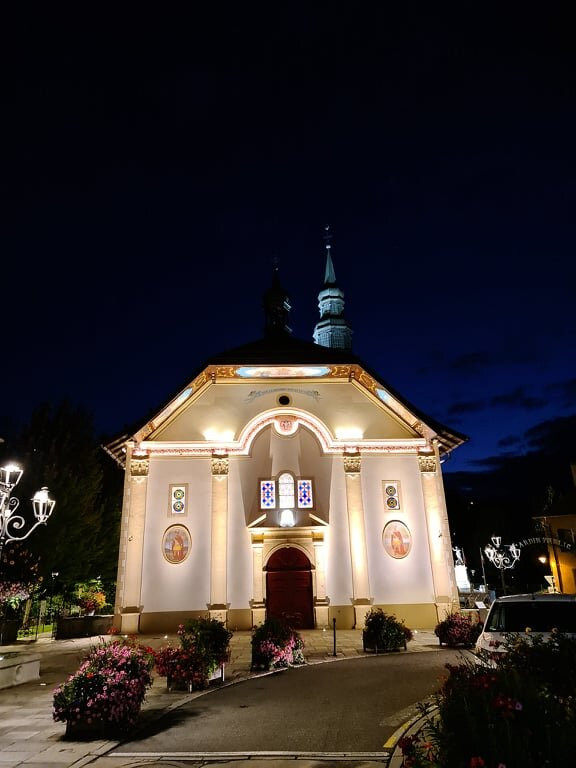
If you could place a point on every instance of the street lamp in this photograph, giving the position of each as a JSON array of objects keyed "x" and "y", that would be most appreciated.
[
  {"x": 502, "y": 556},
  {"x": 11, "y": 525},
  {"x": 549, "y": 578}
]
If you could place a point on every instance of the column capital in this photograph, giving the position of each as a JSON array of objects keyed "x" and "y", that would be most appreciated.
[
  {"x": 139, "y": 466},
  {"x": 352, "y": 462},
  {"x": 427, "y": 463},
  {"x": 219, "y": 464}
]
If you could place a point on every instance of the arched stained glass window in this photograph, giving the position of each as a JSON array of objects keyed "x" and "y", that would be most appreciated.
[{"x": 286, "y": 491}]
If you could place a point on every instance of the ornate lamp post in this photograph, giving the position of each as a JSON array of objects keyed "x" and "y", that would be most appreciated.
[
  {"x": 502, "y": 556},
  {"x": 12, "y": 526}
]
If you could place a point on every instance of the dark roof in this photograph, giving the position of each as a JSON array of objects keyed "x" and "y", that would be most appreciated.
[{"x": 282, "y": 350}]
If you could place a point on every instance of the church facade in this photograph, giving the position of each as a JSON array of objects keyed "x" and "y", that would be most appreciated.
[{"x": 286, "y": 479}]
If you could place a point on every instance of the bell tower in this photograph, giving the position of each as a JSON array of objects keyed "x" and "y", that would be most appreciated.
[{"x": 332, "y": 330}]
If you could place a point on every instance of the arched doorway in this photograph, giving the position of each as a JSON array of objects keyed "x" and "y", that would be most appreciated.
[{"x": 289, "y": 588}]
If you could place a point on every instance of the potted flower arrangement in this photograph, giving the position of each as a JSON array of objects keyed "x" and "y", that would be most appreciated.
[
  {"x": 203, "y": 652},
  {"x": 384, "y": 632},
  {"x": 211, "y": 639},
  {"x": 276, "y": 645},
  {"x": 105, "y": 694},
  {"x": 457, "y": 629},
  {"x": 91, "y": 598},
  {"x": 180, "y": 667},
  {"x": 95, "y": 616},
  {"x": 11, "y": 596}
]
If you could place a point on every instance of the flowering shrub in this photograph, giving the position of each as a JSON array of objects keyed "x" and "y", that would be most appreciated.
[
  {"x": 418, "y": 752},
  {"x": 384, "y": 632},
  {"x": 19, "y": 576},
  {"x": 520, "y": 712},
  {"x": 91, "y": 597},
  {"x": 11, "y": 595},
  {"x": 180, "y": 666},
  {"x": 204, "y": 646},
  {"x": 275, "y": 644},
  {"x": 457, "y": 629},
  {"x": 108, "y": 688}
]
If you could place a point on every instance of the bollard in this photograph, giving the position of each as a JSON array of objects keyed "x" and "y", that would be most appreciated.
[{"x": 334, "y": 630}]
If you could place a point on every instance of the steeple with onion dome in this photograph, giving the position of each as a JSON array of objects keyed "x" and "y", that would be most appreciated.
[{"x": 332, "y": 330}]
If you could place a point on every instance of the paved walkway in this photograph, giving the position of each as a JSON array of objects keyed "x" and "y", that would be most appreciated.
[{"x": 29, "y": 736}]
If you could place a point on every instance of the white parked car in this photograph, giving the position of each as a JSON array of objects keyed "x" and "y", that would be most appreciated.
[{"x": 525, "y": 615}]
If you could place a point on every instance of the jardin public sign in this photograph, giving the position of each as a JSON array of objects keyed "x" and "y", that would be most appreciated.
[{"x": 546, "y": 540}]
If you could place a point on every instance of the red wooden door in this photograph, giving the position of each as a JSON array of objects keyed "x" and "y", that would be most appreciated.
[{"x": 289, "y": 588}]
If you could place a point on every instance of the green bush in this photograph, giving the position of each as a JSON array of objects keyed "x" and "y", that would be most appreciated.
[
  {"x": 210, "y": 637},
  {"x": 384, "y": 632}
]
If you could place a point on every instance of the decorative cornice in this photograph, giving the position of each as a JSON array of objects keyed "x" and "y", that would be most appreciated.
[
  {"x": 427, "y": 463},
  {"x": 403, "y": 448},
  {"x": 220, "y": 465},
  {"x": 299, "y": 417},
  {"x": 139, "y": 467}
]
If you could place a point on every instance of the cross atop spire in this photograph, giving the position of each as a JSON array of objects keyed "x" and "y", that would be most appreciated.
[{"x": 329, "y": 275}]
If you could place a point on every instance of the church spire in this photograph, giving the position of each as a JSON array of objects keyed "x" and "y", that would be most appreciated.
[
  {"x": 332, "y": 330},
  {"x": 276, "y": 307}
]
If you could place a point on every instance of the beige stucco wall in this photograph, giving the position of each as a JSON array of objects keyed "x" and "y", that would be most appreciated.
[{"x": 345, "y": 502}]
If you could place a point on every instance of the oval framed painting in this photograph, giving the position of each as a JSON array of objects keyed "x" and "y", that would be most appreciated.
[
  {"x": 176, "y": 543},
  {"x": 397, "y": 539}
]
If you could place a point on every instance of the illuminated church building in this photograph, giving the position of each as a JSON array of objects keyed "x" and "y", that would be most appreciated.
[{"x": 286, "y": 479}]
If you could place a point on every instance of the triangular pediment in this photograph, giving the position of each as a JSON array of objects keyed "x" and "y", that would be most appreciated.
[{"x": 226, "y": 403}]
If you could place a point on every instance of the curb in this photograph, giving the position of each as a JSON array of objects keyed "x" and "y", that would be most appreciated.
[{"x": 410, "y": 727}]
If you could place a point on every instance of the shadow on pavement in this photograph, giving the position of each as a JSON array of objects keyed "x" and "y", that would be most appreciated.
[{"x": 157, "y": 725}]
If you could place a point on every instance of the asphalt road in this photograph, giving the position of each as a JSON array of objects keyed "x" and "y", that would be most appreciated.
[{"x": 350, "y": 706}]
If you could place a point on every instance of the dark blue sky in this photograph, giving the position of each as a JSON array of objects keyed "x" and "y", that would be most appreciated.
[{"x": 152, "y": 168}]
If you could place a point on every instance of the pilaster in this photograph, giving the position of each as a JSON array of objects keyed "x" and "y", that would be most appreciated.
[
  {"x": 257, "y": 603},
  {"x": 439, "y": 539},
  {"x": 219, "y": 547},
  {"x": 357, "y": 533},
  {"x": 321, "y": 601},
  {"x": 129, "y": 577}
]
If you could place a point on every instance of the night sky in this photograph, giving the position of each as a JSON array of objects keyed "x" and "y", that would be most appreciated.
[{"x": 153, "y": 168}]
